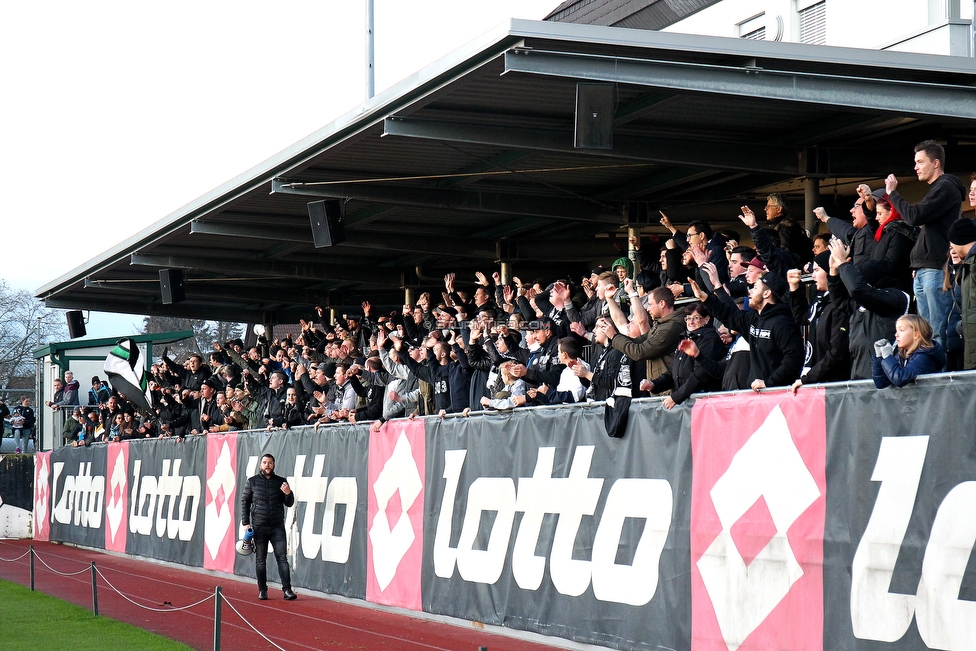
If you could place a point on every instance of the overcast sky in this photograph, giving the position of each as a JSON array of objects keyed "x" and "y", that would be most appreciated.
[{"x": 115, "y": 114}]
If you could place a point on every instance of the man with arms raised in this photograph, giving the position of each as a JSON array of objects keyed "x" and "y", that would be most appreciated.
[
  {"x": 934, "y": 215},
  {"x": 776, "y": 348}
]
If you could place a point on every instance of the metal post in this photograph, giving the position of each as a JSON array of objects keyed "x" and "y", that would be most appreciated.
[
  {"x": 408, "y": 295},
  {"x": 370, "y": 77},
  {"x": 506, "y": 272},
  {"x": 631, "y": 249},
  {"x": 218, "y": 602},
  {"x": 94, "y": 591},
  {"x": 32, "y": 568},
  {"x": 811, "y": 199}
]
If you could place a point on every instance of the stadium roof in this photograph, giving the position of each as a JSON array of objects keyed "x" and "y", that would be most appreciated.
[{"x": 472, "y": 160}]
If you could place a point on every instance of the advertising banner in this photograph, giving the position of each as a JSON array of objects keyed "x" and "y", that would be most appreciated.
[
  {"x": 220, "y": 503},
  {"x": 542, "y": 522},
  {"x": 117, "y": 497},
  {"x": 76, "y": 510},
  {"x": 165, "y": 487},
  {"x": 42, "y": 496},
  {"x": 836, "y": 519},
  {"x": 899, "y": 569},
  {"x": 757, "y": 521},
  {"x": 395, "y": 540},
  {"x": 326, "y": 528}
]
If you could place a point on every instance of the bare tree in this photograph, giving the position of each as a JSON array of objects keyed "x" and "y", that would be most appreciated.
[
  {"x": 27, "y": 325},
  {"x": 204, "y": 333}
]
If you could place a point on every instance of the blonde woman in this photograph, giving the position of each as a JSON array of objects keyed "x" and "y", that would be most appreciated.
[{"x": 915, "y": 353}]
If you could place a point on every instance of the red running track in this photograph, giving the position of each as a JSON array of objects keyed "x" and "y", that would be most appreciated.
[{"x": 311, "y": 622}]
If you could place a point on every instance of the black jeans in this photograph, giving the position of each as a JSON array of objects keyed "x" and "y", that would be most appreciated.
[{"x": 279, "y": 541}]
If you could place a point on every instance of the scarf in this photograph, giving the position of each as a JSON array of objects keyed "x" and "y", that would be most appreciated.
[{"x": 881, "y": 225}]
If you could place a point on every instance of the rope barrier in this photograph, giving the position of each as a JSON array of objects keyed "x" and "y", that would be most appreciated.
[
  {"x": 155, "y": 610},
  {"x": 86, "y": 569},
  {"x": 14, "y": 560},
  {"x": 237, "y": 612},
  {"x": 96, "y": 571}
]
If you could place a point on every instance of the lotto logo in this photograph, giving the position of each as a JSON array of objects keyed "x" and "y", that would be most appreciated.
[
  {"x": 758, "y": 509},
  {"x": 396, "y": 514},
  {"x": 42, "y": 495},
  {"x": 221, "y": 498},
  {"x": 116, "y": 506}
]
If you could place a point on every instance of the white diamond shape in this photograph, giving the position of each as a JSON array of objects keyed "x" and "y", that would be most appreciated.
[
  {"x": 219, "y": 517},
  {"x": 40, "y": 507},
  {"x": 767, "y": 466},
  {"x": 115, "y": 509},
  {"x": 390, "y": 544}
]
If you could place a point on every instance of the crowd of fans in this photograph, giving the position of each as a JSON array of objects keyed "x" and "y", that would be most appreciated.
[{"x": 891, "y": 295}]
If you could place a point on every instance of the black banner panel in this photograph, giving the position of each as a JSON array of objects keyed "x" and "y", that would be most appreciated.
[
  {"x": 17, "y": 481},
  {"x": 901, "y": 517},
  {"x": 327, "y": 526},
  {"x": 542, "y": 522},
  {"x": 76, "y": 508},
  {"x": 166, "y": 493}
]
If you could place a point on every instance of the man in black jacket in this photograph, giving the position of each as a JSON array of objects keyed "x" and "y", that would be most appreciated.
[
  {"x": 263, "y": 503},
  {"x": 776, "y": 348},
  {"x": 933, "y": 215}
]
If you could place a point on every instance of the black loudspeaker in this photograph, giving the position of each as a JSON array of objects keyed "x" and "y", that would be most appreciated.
[
  {"x": 594, "y": 116},
  {"x": 76, "y": 324},
  {"x": 326, "y": 217},
  {"x": 172, "y": 285}
]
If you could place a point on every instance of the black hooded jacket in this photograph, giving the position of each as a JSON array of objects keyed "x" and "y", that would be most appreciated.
[
  {"x": 933, "y": 214},
  {"x": 828, "y": 354},
  {"x": 775, "y": 345},
  {"x": 262, "y": 501}
]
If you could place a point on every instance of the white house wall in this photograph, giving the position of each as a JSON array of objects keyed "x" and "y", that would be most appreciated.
[{"x": 902, "y": 25}]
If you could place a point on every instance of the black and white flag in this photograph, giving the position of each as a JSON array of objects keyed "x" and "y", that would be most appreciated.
[{"x": 126, "y": 371}]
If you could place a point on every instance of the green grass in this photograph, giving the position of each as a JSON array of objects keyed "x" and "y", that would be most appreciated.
[{"x": 32, "y": 620}]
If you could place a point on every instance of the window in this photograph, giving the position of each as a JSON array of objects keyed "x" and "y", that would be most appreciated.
[
  {"x": 813, "y": 23},
  {"x": 756, "y": 34},
  {"x": 753, "y": 28}
]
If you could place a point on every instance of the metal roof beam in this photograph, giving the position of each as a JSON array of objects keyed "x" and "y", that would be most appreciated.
[
  {"x": 455, "y": 246},
  {"x": 837, "y": 126},
  {"x": 276, "y": 233},
  {"x": 487, "y": 202},
  {"x": 207, "y": 288},
  {"x": 750, "y": 157},
  {"x": 186, "y": 310},
  {"x": 642, "y": 106},
  {"x": 897, "y": 96},
  {"x": 655, "y": 183},
  {"x": 557, "y": 250},
  {"x": 274, "y": 268},
  {"x": 875, "y": 161}
]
